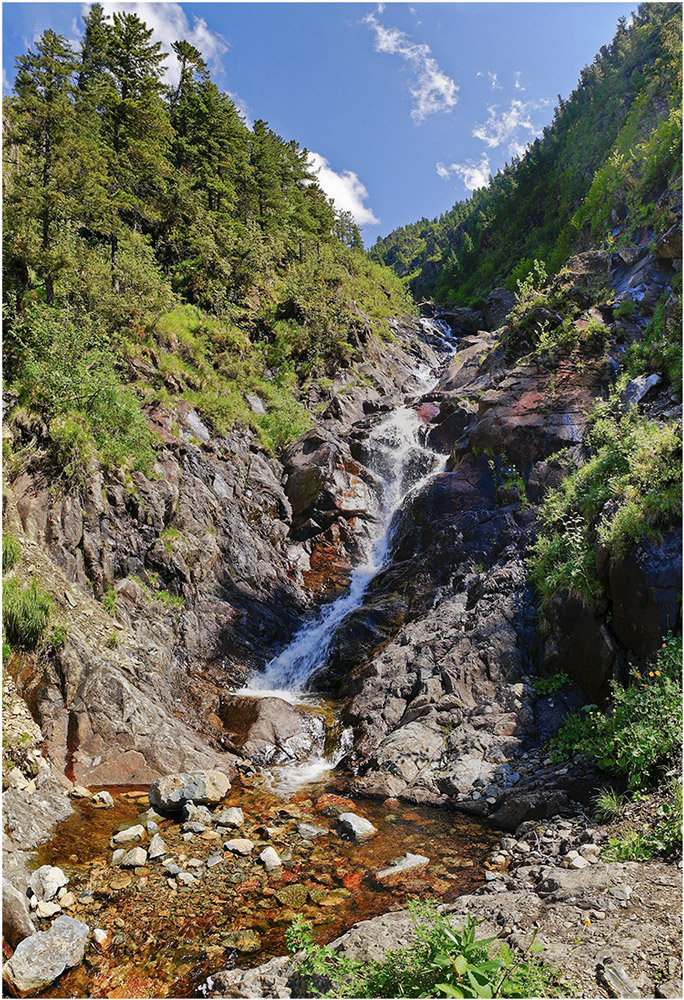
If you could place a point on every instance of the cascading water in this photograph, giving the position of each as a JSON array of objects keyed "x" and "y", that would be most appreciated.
[{"x": 396, "y": 451}]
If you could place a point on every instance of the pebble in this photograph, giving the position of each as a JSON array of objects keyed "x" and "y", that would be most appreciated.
[
  {"x": 185, "y": 878},
  {"x": 232, "y": 817},
  {"x": 100, "y": 936},
  {"x": 103, "y": 799},
  {"x": 354, "y": 827},
  {"x": 172, "y": 868},
  {"x": 214, "y": 860},
  {"x": 44, "y": 908},
  {"x": 118, "y": 855},
  {"x": 128, "y": 836},
  {"x": 157, "y": 847}
]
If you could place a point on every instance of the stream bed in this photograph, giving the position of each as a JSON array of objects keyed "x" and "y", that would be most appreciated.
[{"x": 165, "y": 940}]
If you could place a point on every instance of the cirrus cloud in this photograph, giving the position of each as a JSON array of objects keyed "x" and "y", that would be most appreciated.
[
  {"x": 512, "y": 127},
  {"x": 432, "y": 90}
]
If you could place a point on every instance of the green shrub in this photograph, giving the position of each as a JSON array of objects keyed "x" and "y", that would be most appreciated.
[
  {"x": 639, "y": 733},
  {"x": 26, "y": 612},
  {"x": 636, "y": 464},
  {"x": 109, "y": 600},
  {"x": 625, "y": 310},
  {"x": 441, "y": 961},
  {"x": 550, "y": 685},
  {"x": 11, "y": 550},
  {"x": 661, "y": 839}
]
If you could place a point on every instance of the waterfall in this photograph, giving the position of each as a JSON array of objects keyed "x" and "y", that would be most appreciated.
[{"x": 396, "y": 452}]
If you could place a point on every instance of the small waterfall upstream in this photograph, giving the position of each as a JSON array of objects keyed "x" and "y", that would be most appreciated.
[{"x": 398, "y": 455}]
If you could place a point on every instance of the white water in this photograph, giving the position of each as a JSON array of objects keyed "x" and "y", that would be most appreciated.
[{"x": 403, "y": 462}]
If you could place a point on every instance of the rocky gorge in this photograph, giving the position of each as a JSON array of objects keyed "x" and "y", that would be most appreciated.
[{"x": 180, "y": 589}]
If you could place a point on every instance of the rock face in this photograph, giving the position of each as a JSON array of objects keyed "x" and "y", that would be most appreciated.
[
  {"x": 173, "y": 791},
  {"x": 16, "y": 919},
  {"x": 41, "y": 958}
]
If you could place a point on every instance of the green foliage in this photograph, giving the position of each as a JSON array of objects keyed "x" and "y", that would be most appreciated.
[
  {"x": 615, "y": 144},
  {"x": 441, "y": 961},
  {"x": 26, "y": 612},
  {"x": 625, "y": 310},
  {"x": 11, "y": 551},
  {"x": 662, "y": 838},
  {"x": 109, "y": 601},
  {"x": 639, "y": 733},
  {"x": 661, "y": 347},
  {"x": 636, "y": 465},
  {"x": 607, "y": 804},
  {"x": 66, "y": 371},
  {"x": 550, "y": 685},
  {"x": 169, "y": 600}
]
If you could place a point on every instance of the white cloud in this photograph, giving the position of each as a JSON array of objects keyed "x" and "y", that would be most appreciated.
[
  {"x": 518, "y": 80},
  {"x": 494, "y": 80},
  {"x": 345, "y": 189},
  {"x": 7, "y": 84},
  {"x": 432, "y": 90},
  {"x": 510, "y": 127},
  {"x": 474, "y": 175},
  {"x": 169, "y": 24}
]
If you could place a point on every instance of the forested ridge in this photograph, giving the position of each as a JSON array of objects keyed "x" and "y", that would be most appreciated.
[
  {"x": 148, "y": 222},
  {"x": 609, "y": 152}
]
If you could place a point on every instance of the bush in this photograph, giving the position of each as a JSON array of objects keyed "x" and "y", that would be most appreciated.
[
  {"x": 25, "y": 612},
  {"x": 442, "y": 961},
  {"x": 635, "y": 464},
  {"x": 11, "y": 550},
  {"x": 639, "y": 733}
]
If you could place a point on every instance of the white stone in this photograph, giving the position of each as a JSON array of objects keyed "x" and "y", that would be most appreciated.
[
  {"x": 46, "y": 881},
  {"x": 128, "y": 836},
  {"x": 270, "y": 859},
  {"x": 355, "y": 827}
]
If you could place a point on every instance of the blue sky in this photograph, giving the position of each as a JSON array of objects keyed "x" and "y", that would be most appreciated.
[{"x": 405, "y": 107}]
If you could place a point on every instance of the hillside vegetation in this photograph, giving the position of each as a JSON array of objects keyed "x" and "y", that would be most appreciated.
[
  {"x": 149, "y": 228},
  {"x": 610, "y": 151}
]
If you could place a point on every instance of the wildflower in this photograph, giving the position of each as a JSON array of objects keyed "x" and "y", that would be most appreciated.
[
  {"x": 638, "y": 675},
  {"x": 586, "y": 921},
  {"x": 650, "y": 673},
  {"x": 657, "y": 673}
]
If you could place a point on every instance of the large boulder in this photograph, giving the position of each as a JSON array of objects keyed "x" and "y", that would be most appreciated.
[
  {"x": 46, "y": 882},
  {"x": 201, "y": 787},
  {"x": 464, "y": 320},
  {"x": 42, "y": 957},
  {"x": 275, "y": 732}
]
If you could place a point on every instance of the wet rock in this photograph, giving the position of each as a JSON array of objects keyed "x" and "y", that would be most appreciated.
[
  {"x": 47, "y": 909},
  {"x": 134, "y": 858},
  {"x": 464, "y": 320},
  {"x": 244, "y": 940},
  {"x": 281, "y": 733},
  {"x": 408, "y": 862},
  {"x": 157, "y": 848},
  {"x": 201, "y": 787},
  {"x": 197, "y": 814},
  {"x": 579, "y": 645},
  {"x": 39, "y": 959},
  {"x": 232, "y": 817},
  {"x": 353, "y": 827},
  {"x": 46, "y": 881},
  {"x": 269, "y": 859},
  {"x": 240, "y": 845},
  {"x": 118, "y": 855},
  {"x": 128, "y": 836},
  {"x": 294, "y": 896},
  {"x": 16, "y": 919},
  {"x": 193, "y": 828},
  {"x": 309, "y": 832},
  {"x": 638, "y": 389}
]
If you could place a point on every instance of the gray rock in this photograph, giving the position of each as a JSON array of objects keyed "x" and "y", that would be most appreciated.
[
  {"x": 42, "y": 957},
  {"x": 617, "y": 980},
  {"x": 193, "y": 828},
  {"x": 172, "y": 869},
  {"x": 16, "y": 919},
  {"x": 269, "y": 859},
  {"x": 353, "y": 827},
  {"x": 201, "y": 787},
  {"x": 637, "y": 389},
  {"x": 239, "y": 846},
  {"x": 128, "y": 836},
  {"x": 197, "y": 814},
  {"x": 118, "y": 855},
  {"x": 135, "y": 858},
  {"x": 156, "y": 848},
  {"x": 232, "y": 817},
  {"x": 308, "y": 831},
  {"x": 46, "y": 881},
  {"x": 407, "y": 862}
]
